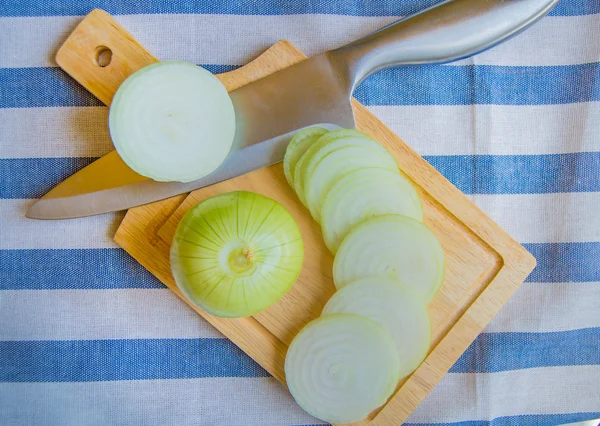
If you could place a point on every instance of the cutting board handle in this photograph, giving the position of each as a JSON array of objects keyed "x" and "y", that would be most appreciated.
[{"x": 100, "y": 54}]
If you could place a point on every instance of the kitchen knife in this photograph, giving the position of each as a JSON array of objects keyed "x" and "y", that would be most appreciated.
[{"x": 316, "y": 91}]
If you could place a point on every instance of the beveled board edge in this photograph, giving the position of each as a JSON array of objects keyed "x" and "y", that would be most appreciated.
[{"x": 517, "y": 264}]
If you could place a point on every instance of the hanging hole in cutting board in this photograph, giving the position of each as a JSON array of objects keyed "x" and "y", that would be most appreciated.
[{"x": 103, "y": 56}]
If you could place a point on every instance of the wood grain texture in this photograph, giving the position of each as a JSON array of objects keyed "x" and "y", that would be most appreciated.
[
  {"x": 484, "y": 264},
  {"x": 78, "y": 55}
]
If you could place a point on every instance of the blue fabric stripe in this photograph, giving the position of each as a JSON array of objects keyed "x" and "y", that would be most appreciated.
[
  {"x": 565, "y": 262},
  {"x": 410, "y": 85},
  {"x": 33, "y": 177},
  {"x": 111, "y": 268},
  {"x": 481, "y": 174},
  {"x": 144, "y": 359},
  {"x": 41, "y": 87},
  {"x": 51, "y": 269},
  {"x": 494, "y": 352},
  {"x": 257, "y": 7},
  {"x": 52, "y": 87},
  {"x": 521, "y": 174},
  {"x": 520, "y": 420},
  {"x": 135, "y": 359},
  {"x": 481, "y": 84}
]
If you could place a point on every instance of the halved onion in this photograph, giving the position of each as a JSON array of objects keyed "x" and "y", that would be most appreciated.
[
  {"x": 394, "y": 246},
  {"x": 300, "y": 168},
  {"x": 297, "y": 147},
  {"x": 393, "y": 306},
  {"x": 172, "y": 121},
  {"x": 335, "y": 160},
  {"x": 363, "y": 194},
  {"x": 236, "y": 254},
  {"x": 341, "y": 367}
]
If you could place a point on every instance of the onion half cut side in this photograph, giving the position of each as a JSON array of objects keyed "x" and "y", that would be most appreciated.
[
  {"x": 394, "y": 246},
  {"x": 341, "y": 367},
  {"x": 393, "y": 306},
  {"x": 236, "y": 254},
  {"x": 363, "y": 194},
  {"x": 172, "y": 121}
]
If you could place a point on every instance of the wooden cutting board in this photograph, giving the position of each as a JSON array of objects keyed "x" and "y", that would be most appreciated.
[{"x": 484, "y": 264}]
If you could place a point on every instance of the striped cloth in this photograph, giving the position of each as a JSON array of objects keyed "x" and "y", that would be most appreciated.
[{"x": 88, "y": 337}]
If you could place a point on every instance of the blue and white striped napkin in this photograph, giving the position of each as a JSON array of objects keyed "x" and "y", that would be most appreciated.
[{"x": 88, "y": 337}]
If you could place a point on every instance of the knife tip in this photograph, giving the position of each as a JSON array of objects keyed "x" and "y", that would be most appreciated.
[
  {"x": 31, "y": 212},
  {"x": 34, "y": 212}
]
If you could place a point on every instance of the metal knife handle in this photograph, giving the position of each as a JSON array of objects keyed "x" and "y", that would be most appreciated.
[{"x": 452, "y": 30}]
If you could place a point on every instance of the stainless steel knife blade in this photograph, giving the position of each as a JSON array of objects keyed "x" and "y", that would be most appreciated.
[
  {"x": 109, "y": 185},
  {"x": 312, "y": 92}
]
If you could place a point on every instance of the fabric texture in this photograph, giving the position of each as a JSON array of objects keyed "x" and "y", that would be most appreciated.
[{"x": 89, "y": 337}]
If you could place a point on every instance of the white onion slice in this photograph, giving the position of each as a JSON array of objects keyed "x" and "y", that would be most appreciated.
[
  {"x": 393, "y": 306},
  {"x": 363, "y": 194},
  {"x": 297, "y": 147},
  {"x": 300, "y": 168},
  {"x": 341, "y": 367},
  {"x": 172, "y": 121},
  {"x": 335, "y": 160},
  {"x": 236, "y": 254},
  {"x": 394, "y": 246}
]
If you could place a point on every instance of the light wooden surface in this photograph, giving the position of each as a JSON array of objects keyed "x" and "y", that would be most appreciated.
[
  {"x": 78, "y": 55},
  {"x": 484, "y": 264}
]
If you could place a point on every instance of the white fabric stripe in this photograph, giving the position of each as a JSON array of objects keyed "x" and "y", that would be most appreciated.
[
  {"x": 557, "y": 390},
  {"x": 213, "y": 401},
  {"x": 99, "y": 314},
  {"x": 529, "y": 218},
  {"x": 206, "y": 39},
  {"x": 547, "y": 307},
  {"x": 263, "y": 401},
  {"x": 159, "y": 314},
  {"x": 231, "y": 39},
  {"x": 545, "y": 218},
  {"x": 54, "y": 132},
  {"x": 494, "y": 129},
  {"x": 430, "y": 130},
  {"x": 19, "y": 232}
]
